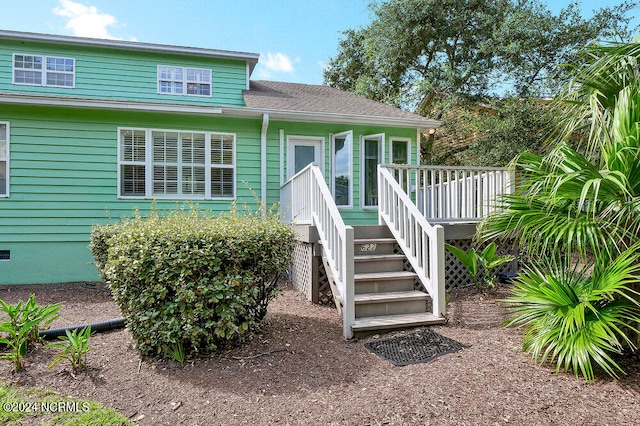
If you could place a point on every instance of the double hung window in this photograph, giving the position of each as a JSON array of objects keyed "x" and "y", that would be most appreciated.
[
  {"x": 38, "y": 70},
  {"x": 184, "y": 81}
]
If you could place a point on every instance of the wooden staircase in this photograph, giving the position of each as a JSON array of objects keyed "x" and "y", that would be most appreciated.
[{"x": 385, "y": 297}]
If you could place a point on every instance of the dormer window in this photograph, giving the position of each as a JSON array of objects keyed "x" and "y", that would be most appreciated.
[
  {"x": 38, "y": 70},
  {"x": 184, "y": 81}
]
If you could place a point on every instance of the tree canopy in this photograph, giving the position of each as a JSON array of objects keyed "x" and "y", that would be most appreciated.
[{"x": 417, "y": 51}]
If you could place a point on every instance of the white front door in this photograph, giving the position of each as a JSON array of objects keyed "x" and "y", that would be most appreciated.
[{"x": 301, "y": 151}]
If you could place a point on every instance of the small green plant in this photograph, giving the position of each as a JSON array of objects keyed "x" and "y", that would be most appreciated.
[
  {"x": 74, "y": 348},
  {"x": 16, "y": 339},
  {"x": 480, "y": 263},
  {"x": 177, "y": 353},
  {"x": 44, "y": 314},
  {"x": 24, "y": 322}
]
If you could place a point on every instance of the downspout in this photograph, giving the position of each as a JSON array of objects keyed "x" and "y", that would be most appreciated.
[{"x": 263, "y": 162}]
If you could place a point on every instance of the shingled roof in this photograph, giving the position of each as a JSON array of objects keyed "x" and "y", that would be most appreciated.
[{"x": 307, "y": 98}]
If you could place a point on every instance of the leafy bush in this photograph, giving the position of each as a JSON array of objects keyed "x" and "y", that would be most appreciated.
[
  {"x": 188, "y": 282},
  {"x": 24, "y": 321}
]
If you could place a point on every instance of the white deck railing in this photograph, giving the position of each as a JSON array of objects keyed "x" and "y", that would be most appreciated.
[
  {"x": 421, "y": 242},
  {"x": 305, "y": 198},
  {"x": 454, "y": 194}
]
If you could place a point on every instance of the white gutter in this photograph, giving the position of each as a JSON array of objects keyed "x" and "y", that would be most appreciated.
[
  {"x": 327, "y": 117},
  {"x": 106, "y": 104},
  {"x": 229, "y": 111},
  {"x": 263, "y": 162}
]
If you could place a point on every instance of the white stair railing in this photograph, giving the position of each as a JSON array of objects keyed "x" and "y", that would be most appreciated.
[
  {"x": 454, "y": 194},
  {"x": 306, "y": 199},
  {"x": 421, "y": 242}
]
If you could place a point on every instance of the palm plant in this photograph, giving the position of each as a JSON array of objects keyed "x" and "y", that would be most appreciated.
[
  {"x": 575, "y": 318},
  {"x": 578, "y": 206}
]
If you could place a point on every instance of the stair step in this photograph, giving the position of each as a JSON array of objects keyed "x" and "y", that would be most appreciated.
[
  {"x": 377, "y": 257},
  {"x": 372, "y": 263},
  {"x": 384, "y": 276},
  {"x": 390, "y": 297},
  {"x": 374, "y": 240},
  {"x": 388, "y": 322},
  {"x": 371, "y": 231}
]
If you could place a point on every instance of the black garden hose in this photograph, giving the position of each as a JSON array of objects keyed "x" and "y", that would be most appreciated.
[{"x": 97, "y": 327}]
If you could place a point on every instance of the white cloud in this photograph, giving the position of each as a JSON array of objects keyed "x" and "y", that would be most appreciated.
[
  {"x": 85, "y": 21},
  {"x": 324, "y": 65},
  {"x": 278, "y": 62}
]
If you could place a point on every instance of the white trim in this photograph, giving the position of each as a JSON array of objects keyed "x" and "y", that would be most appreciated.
[
  {"x": 263, "y": 160},
  {"x": 348, "y": 135},
  {"x": 328, "y": 117},
  {"x": 109, "y": 105},
  {"x": 185, "y": 81},
  {"x": 399, "y": 139},
  {"x": 43, "y": 71},
  {"x": 316, "y": 141},
  {"x": 418, "y": 150},
  {"x": 7, "y": 159},
  {"x": 240, "y": 112},
  {"x": 380, "y": 137},
  {"x": 148, "y": 164},
  {"x": 130, "y": 45},
  {"x": 282, "y": 176}
]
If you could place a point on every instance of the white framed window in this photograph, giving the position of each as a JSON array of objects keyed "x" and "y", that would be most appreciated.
[
  {"x": 176, "y": 164},
  {"x": 40, "y": 70},
  {"x": 371, "y": 150},
  {"x": 342, "y": 168},
  {"x": 400, "y": 150},
  {"x": 4, "y": 159},
  {"x": 222, "y": 165},
  {"x": 184, "y": 81}
]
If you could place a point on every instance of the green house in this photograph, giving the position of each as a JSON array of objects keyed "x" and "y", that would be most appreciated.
[{"x": 91, "y": 130}]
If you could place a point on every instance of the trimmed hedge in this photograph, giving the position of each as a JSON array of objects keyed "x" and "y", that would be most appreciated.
[{"x": 187, "y": 283}]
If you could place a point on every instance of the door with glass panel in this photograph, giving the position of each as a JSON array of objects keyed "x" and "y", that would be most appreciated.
[{"x": 301, "y": 152}]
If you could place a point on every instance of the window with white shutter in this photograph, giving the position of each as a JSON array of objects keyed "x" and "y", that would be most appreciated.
[{"x": 176, "y": 164}]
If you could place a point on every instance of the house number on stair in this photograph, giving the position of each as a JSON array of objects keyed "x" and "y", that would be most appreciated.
[{"x": 368, "y": 247}]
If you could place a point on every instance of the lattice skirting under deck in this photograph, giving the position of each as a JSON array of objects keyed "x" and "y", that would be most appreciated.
[
  {"x": 301, "y": 273},
  {"x": 458, "y": 276}
]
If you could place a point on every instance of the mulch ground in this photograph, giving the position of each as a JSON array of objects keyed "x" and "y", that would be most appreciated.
[{"x": 299, "y": 370}]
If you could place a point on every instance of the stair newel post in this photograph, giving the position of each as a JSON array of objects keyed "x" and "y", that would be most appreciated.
[
  {"x": 381, "y": 196},
  {"x": 437, "y": 273},
  {"x": 349, "y": 307}
]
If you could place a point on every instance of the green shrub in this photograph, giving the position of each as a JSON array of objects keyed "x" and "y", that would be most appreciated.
[
  {"x": 189, "y": 282},
  {"x": 99, "y": 245}
]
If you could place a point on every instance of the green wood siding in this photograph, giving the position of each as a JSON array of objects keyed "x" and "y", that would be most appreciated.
[
  {"x": 64, "y": 179},
  {"x": 105, "y": 73}
]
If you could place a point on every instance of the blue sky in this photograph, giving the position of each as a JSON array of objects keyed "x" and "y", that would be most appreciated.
[{"x": 294, "y": 37}]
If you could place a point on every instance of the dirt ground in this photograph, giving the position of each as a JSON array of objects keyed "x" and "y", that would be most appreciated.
[{"x": 299, "y": 370}]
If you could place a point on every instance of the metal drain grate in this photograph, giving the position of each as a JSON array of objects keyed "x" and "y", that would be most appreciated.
[{"x": 415, "y": 348}]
